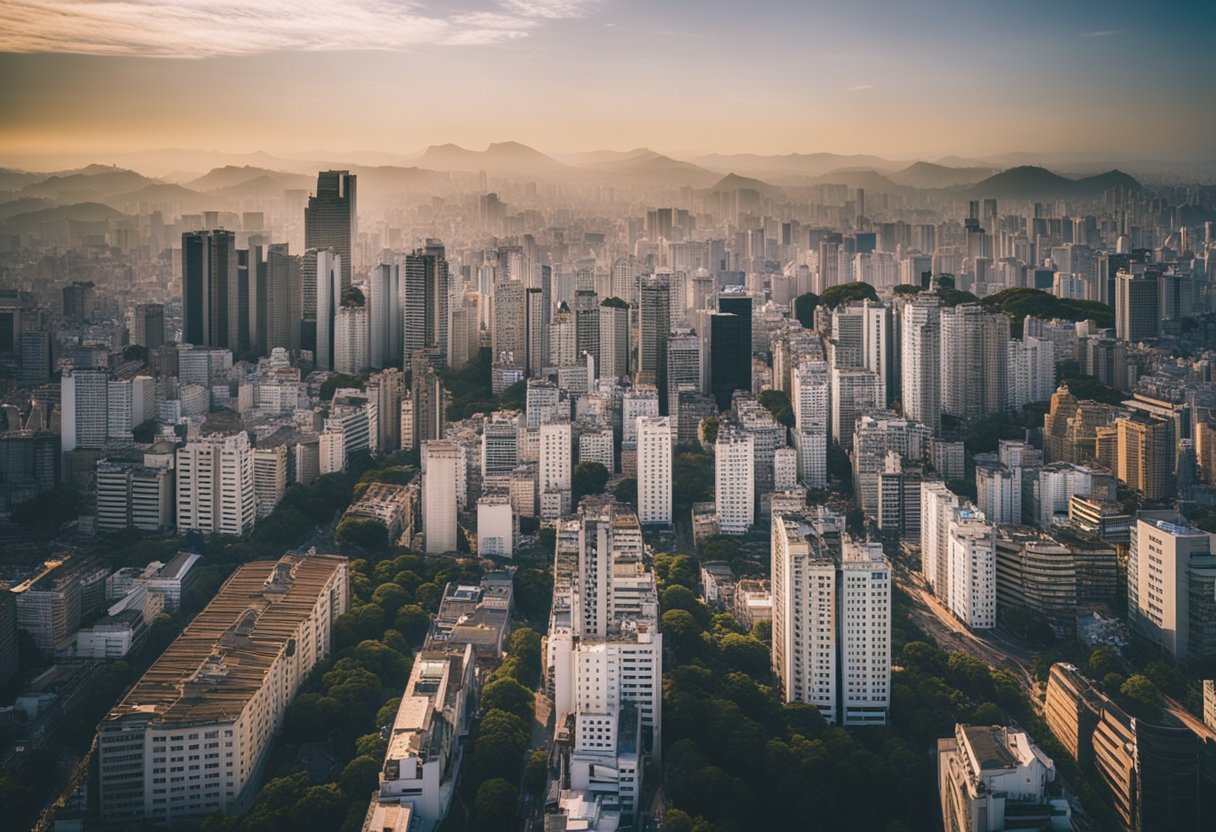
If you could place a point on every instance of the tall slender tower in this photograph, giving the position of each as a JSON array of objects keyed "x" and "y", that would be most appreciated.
[
  {"x": 654, "y": 324},
  {"x": 209, "y": 289},
  {"x": 425, "y": 301},
  {"x": 921, "y": 332},
  {"x": 330, "y": 218}
]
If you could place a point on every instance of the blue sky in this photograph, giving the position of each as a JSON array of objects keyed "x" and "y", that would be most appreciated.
[{"x": 1116, "y": 79}]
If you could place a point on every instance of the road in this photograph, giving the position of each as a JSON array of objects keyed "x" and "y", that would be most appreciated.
[
  {"x": 1187, "y": 718},
  {"x": 932, "y": 617}
]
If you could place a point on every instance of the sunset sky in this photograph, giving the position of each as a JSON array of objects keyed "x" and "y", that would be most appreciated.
[{"x": 1117, "y": 79}]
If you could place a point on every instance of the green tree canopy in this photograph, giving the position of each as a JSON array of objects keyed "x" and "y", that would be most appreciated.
[
  {"x": 588, "y": 478},
  {"x": 804, "y": 309},
  {"x": 834, "y": 296}
]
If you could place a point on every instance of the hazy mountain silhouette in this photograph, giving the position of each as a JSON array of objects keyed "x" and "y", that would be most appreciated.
[
  {"x": 500, "y": 157},
  {"x": 930, "y": 175},
  {"x": 1032, "y": 182}
]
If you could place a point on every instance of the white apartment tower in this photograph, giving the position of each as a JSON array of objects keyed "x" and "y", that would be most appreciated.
[
  {"x": 811, "y": 388},
  {"x": 654, "y": 470},
  {"x": 440, "y": 460},
  {"x": 734, "y": 486},
  {"x": 920, "y": 355},
  {"x": 555, "y": 469},
  {"x": 215, "y": 491}
]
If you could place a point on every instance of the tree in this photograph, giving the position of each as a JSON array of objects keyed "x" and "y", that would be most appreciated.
[
  {"x": 804, "y": 309},
  {"x": 1143, "y": 697},
  {"x": 834, "y": 296},
  {"x": 588, "y": 478},
  {"x": 321, "y": 808},
  {"x": 536, "y": 771},
  {"x": 362, "y": 532},
  {"x": 494, "y": 808},
  {"x": 524, "y": 647},
  {"x": 413, "y": 623},
  {"x": 709, "y": 430},
  {"x": 360, "y": 777},
  {"x": 337, "y": 380},
  {"x": 1102, "y": 660},
  {"x": 746, "y": 654},
  {"x": 390, "y": 597},
  {"x": 507, "y": 694},
  {"x": 778, "y": 404},
  {"x": 626, "y": 492}
]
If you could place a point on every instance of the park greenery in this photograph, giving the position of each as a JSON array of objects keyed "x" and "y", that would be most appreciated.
[
  {"x": 804, "y": 309},
  {"x": 777, "y": 402},
  {"x": 834, "y": 296},
  {"x": 1018, "y": 302}
]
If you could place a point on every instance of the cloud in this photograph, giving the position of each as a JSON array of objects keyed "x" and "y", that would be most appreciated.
[
  {"x": 1102, "y": 33},
  {"x": 860, "y": 87},
  {"x": 206, "y": 28}
]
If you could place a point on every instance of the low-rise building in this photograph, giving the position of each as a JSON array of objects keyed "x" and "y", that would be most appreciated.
[{"x": 992, "y": 778}]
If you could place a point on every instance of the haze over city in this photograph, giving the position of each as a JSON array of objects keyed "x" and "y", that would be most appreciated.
[{"x": 607, "y": 416}]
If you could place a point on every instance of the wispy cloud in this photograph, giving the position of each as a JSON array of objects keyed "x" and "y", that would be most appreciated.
[
  {"x": 1102, "y": 33},
  {"x": 205, "y": 28},
  {"x": 860, "y": 87}
]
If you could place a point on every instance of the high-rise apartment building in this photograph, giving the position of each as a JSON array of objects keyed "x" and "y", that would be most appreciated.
[
  {"x": 921, "y": 365},
  {"x": 425, "y": 302},
  {"x": 1031, "y": 371},
  {"x": 614, "y": 338},
  {"x": 1137, "y": 303},
  {"x": 974, "y": 352},
  {"x": 654, "y": 470},
  {"x": 1171, "y": 584},
  {"x": 854, "y": 393},
  {"x": 654, "y": 327},
  {"x": 831, "y": 619},
  {"x": 351, "y": 338},
  {"x": 734, "y": 481},
  {"x": 134, "y": 496},
  {"x": 129, "y": 403},
  {"x": 440, "y": 462},
  {"x": 148, "y": 328},
  {"x": 191, "y": 737},
  {"x": 84, "y": 409},
  {"x": 555, "y": 469},
  {"x": 215, "y": 485},
  {"x": 809, "y": 398},
  {"x": 971, "y": 556},
  {"x": 269, "y": 478},
  {"x": 331, "y": 219}
]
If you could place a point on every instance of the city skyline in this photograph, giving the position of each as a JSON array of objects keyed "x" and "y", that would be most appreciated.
[{"x": 936, "y": 80}]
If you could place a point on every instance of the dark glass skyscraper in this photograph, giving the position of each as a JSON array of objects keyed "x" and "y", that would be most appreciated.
[
  {"x": 209, "y": 289},
  {"x": 654, "y": 325},
  {"x": 730, "y": 351},
  {"x": 330, "y": 217},
  {"x": 425, "y": 302}
]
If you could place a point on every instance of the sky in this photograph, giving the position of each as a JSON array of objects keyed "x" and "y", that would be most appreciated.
[{"x": 1114, "y": 79}]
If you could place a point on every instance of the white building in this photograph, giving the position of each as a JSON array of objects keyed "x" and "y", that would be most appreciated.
[
  {"x": 641, "y": 401},
  {"x": 734, "y": 488},
  {"x": 985, "y": 771},
  {"x": 811, "y": 384},
  {"x": 1171, "y": 584},
  {"x": 269, "y": 478},
  {"x": 554, "y": 469},
  {"x": 351, "y": 343},
  {"x": 785, "y": 469},
  {"x": 84, "y": 410},
  {"x": 224, "y": 686},
  {"x": 936, "y": 503},
  {"x": 129, "y": 403},
  {"x": 920, "y": 354},
  {"x": 596, "y": 446},
  {"x": 440, "y": 460},
  {"x": 854, "y": 393},
  {"x": 134, "y": 496},
  {"x": 1031, "y": 371},
  {"x": 654, "y": 469},
  {"x": 495, "y": 525},
  {"x": 999, "y": 493},
  {"x": 972, "y": 567},
  {"x": 215, "y": 485},
  {"x": 1057, "y": 484},
  {"x": 170, "y": 580},
  {"x": 831, "y": 619}
]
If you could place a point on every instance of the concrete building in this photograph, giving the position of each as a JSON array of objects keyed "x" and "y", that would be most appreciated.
[
  {"x": 999, "y": 492},
  {"x": 49, "y": 605},
  {"x": 734, "y": 486},
  {"x": 440, "y": 461},
  {"x": 975, "y": 347},
  {"x": 495, "y": 525},
  {"x": 831, "y": 619},
  {"x": 992, "y": 778},
  {"x": 920, "y": 354},
  {"x": 854, "y": 393},
  {"x": 84, "y": 409},
  {"x": 1171, "y": 584},
  {"x": 130, "y": 495},
  {"x": 171, "y": 580},
  {"x": 555, "y": 469},
  {"x": 224, "y": 686},
  {"x": 1031, "y": 371},
  {"x": 269, "y": 478},
  {"x": 215, "y": 485},
  {"x": 810, "y": 398},
  {"x": 129, "y": 403},
  {"x": 972, "y": 568},
  {"x": 654, "y": 470}
]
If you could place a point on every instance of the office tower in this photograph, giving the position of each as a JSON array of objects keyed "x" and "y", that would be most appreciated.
[
  {"x": 543, "y": 403},
  {"x": 875, "y": 436},
  {"x": 35, "y": 358},
  {"x": 1031, "y": 371},
  {"x": 614, "y": 338},
  {"x": 734, "y": 482},
  {"x": 331, "y": 219},
  {"x": 250, "y": 309},
  {"x": 654, "y": 470},
  {"x": 79, "y": 300},
  {"x": 440, "y": 461},
  {"x": 134, "y": 496},
  {"x": 854, "y": 392},
  {"x": 809, "y": 397},
  {"x": 149, "y": 325},
  {"x": 387, "y": 387},
  {"x": 269, "y": 478},
  {"x": 831, "y": 619},
  {"x": 654, "y": 326},
  {"x": 1145, "y": 455},
  {"x": 540, "y": 336},
  {"x": 284, "y": 307},
  {"x": 684, "y": 371},
  {"x": 991, "y": 777},
  {"x": 730, "y": 358},
  {"x": 509, "y": 334},
  {"x": 640, "y": 401},
  {"x": 464, "y": 333},
  {"x": 587, "y": 327},
  {"x": 210, "y": 289},
  {"x": 1137, "y": 304},
  {"x": 129, "y": 403},
  {"x": 427, "y": 394},
  {"x": 563, "y": 339},
  {"x": 84, "y": 409},
  {"x": 920, "y": 354},
  {"x": 215, "y": 485},
  {"x": 426, "y": 289},
  {"x": 224, "y": 685},
  {"x": 625, "y": 279},
  {"x": 999, "y": 492},
  {"x": 385, "y": 314},
  {"x": 861, "y": 339},
  {"x": 322, "y": 269},
  {"x": 975, "y": 347},
  {"x": 9, "y": 653},
  {"x": 1171, "y": 584},
  {"x": 554, "y": 469},
  {"x": 499, "y": 445},
  {"x": 351, "y": 336}
]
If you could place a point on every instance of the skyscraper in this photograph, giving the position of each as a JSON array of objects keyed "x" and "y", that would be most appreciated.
[
  {"x": 440, "y": 459},
  {"x": 325, "y": 267},
  {"x": 215, "y": 485},
  {"x": 209, "y": 289},
  {"x": 614, "y": 338},
  {"x": 654, "y": 325},
  {"x": 654, "y": 470},
  {"x": 426, "y": 286},
  {"x": 975, "y": 346},
  {"x": 587, "y": 327},
  {"x": 84, "y": 409},
  {"x": 509, "y": 335},
  {"x": 538, "y": 341},
  {"x": 734, "y": 481},
  {"x": 149, "y": 325},
  {"x": 284, "y": 302},
  {"x": 384, "y": 313},
  {"x": 330, "y": 219},
  {"x": 921, "y": 360},
  {"x": 1137, "y": 304}
]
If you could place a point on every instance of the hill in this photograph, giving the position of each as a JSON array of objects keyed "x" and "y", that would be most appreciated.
[
  {"x": 79, "y": 212},
  {"x": 89, "y": 184},
  {"x": 24, "y": 205},
  {"x": 734, "y": 182},
  {"x": 500, "y": 157},
  {"x": 791, "y": 164},
  {"x": 870, "y": 180},
  {"x": 162, "y": 193},
  {"x": 929, "y": 175},
  {"x": 1031, "y": 182},
  {"x": 659, "y": 169},
  {"x": 230, "y": 176},
  {"x": 1019, "y": 302}
]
